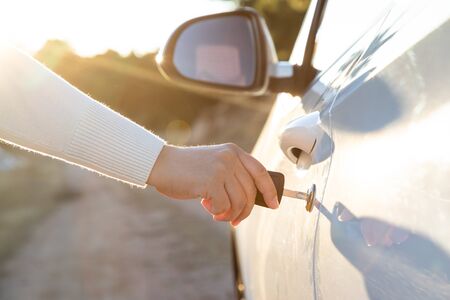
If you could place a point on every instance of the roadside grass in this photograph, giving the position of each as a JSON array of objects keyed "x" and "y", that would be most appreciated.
[{"x": 27, "y": 193}]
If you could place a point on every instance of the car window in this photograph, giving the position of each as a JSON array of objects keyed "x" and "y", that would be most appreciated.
[
  {"x": 337, "y": 33},
  {"x": 399, "y": 27}
]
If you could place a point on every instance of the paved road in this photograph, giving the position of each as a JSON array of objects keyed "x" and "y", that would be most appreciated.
[{"x": 114, "y": 242}]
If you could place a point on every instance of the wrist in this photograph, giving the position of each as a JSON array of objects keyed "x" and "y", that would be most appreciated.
[{"x": 161, "y": 165}]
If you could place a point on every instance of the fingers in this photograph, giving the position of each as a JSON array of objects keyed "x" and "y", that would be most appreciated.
[
  {"x": 244, "y": 213},
  {"x": 248, "y": 185},
  {"x": 237, "y": 196},
  {"x": 238, "y": 200},
  {"x": 246, "y": 181},
  {"x": 220, "y": 202},
  {"x": 261, "y": 177},
  {"x": 206, "y": 203},
  {"x": 235, "y": 178}
]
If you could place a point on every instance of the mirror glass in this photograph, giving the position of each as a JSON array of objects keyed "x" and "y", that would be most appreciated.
[{"x": 220, "y": 51}]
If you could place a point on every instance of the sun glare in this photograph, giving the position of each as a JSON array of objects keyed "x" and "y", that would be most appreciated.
[{"x": 93, "y": 26}]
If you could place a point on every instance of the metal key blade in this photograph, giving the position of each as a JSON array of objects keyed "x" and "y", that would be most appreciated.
[
  {"x": 309, "y": 197},
  {"x": 295, "y": 194}
]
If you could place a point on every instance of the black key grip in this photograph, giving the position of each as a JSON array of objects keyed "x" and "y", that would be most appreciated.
[{"x": 278, "y": 181}]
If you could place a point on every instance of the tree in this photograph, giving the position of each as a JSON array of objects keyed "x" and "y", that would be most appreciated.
[{"x": 284, "y": 18}]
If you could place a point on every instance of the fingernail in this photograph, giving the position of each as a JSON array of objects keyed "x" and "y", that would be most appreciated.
[
  {"x": 235, "y": 223},
  {"x": 275, "y": 203}
]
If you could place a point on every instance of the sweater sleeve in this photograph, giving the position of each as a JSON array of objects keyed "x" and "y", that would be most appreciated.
[{"x": 42, "y": 112}]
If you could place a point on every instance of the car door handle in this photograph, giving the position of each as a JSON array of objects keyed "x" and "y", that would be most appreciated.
[{"x": 305, "y": 142}]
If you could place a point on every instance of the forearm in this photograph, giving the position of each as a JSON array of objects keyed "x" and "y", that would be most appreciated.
[{"x": 42, "y": 112}]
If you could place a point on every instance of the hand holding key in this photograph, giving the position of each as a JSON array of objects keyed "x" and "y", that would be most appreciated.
[{"x": 225, "y": 177}]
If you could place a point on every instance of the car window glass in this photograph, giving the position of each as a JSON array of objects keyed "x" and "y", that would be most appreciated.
[{"x": 337, "y": 33}]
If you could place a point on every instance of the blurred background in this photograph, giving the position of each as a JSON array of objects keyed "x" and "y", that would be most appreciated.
[{"x": 68, "y": 234}]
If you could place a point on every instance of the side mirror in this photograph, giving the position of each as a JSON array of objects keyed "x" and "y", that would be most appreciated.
[
  {"x": 227, "y": 52},
  {"x": 233, "y": 52}
]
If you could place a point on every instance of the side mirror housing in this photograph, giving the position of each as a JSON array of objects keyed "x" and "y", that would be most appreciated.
[{"x": 229, "y": 52}]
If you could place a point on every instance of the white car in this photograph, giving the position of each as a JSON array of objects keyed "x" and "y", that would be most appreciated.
[{"x": 363, "y": 114}]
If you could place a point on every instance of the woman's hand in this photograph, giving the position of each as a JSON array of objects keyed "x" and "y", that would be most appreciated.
[{"x": 224, "y": 176}]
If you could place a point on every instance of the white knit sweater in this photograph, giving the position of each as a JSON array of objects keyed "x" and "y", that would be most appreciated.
[{"x": 42, "y": 112}]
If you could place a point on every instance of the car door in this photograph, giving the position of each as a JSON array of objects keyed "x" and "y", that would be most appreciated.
[
  {"x": 383, "y": 226},
  {"x": 275, "y": 248}
]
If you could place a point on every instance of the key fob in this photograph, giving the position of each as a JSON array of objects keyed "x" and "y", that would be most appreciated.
[{"x": 278, "y": 181}]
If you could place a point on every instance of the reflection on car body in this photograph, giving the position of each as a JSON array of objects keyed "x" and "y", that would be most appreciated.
[{"x": 390, "y": 257}]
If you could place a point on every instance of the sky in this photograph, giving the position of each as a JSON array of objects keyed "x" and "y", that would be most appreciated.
[{"x": 93, "y": 26}]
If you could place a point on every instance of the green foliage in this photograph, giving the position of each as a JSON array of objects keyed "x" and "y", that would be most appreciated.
[{"x": 284, "y": 18}]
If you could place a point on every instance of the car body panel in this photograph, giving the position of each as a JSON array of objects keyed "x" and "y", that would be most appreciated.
[
  {"x": 376, "y": 90},
  {"x": 383, "y": 232}
]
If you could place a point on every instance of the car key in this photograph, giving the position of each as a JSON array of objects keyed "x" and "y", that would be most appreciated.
[{"x": 278, "y": 180}]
